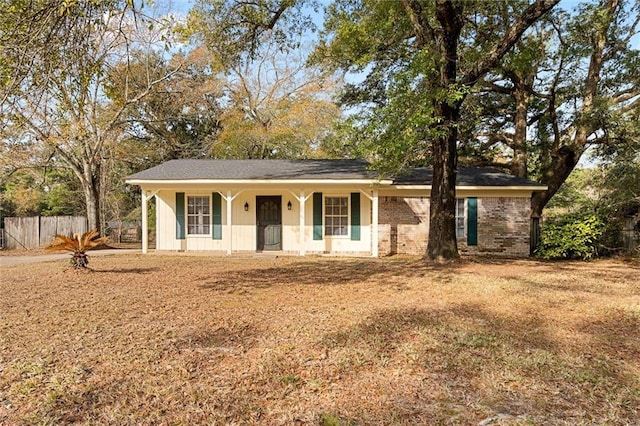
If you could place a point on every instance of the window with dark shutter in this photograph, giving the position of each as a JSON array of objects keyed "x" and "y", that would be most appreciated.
[
  {"x": 180, "y": 228},
  {"x": 355, "y": 216},
  {"x": 317, "y": 215}
]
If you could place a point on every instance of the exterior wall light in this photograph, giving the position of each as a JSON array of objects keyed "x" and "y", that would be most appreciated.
[
  {"x": 246, "y": 206},
  {"x": 289, "y": 205}
]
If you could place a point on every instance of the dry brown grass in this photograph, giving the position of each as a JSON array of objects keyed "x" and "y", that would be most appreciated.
[{"x": 198, "y": 340}]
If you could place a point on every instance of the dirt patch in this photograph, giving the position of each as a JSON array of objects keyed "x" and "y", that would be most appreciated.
[{"x": 217, "y": 340}]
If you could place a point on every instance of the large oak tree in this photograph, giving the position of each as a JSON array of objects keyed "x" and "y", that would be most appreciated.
[
  {"x": 570, "y": 85},
  {"x": 421, "y": 59}
]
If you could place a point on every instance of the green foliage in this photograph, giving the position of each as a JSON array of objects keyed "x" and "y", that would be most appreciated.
[
  {"x": 396, "y": 50},
  {"x": 579, "y": 193},
  {"x": 136, "y": 215},
  {"x": 619, "y": 178},
  {"x": 22, "y": 195},
  {"x": 391, "y": 120},
  {"x": 62, "y": 194},
  {"x": 571, "y": 237},
  {"x": 610, "y": 191},
  {"x": 52, "y": 192},
  {"x": 575, "y": 75}
]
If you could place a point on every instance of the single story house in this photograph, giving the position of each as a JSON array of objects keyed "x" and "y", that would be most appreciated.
[{"x": 326, "y": 206}]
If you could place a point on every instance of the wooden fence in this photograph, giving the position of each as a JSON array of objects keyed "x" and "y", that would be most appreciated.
[
  {"x": 631, "y": 234},
  {"x": 124, "y": 232},
  {"x": 34, "y": 232}
]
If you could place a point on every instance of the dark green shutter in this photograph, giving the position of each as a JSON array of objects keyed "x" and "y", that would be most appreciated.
[
  {"x": 180, "y": 215},
  {"x": 317, "y": 215},
  {"x": 216, "y": 217},
  {"x": 355, "y": 216},
  {"x": 472, "y": 221}
]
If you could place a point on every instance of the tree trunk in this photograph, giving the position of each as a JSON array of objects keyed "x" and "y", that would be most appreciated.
[
  {"x": 91, "y": 190},
  {"x": 562, "y": 164},
  {"x": 442, "y": 243},
  {"x": 521, "y": 97}
]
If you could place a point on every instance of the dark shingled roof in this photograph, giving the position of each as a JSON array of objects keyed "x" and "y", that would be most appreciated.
[
  {"x": 467, "y": 176},
  {"x": 257, "y": 169},
  {"x": 313, "y": 169}
]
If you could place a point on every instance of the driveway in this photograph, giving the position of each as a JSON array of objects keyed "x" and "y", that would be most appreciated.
[{"x": 26, "y": 259}]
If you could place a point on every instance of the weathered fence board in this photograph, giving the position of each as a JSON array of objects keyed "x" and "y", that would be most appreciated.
[
  {"x": 21, "y": 232},
  {"x": 34, "y": 232},
  {"x": 60, "y": 225},
  {"x": 48, "y": 226}
]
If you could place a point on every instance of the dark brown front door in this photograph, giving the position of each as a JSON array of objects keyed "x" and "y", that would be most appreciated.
[{"x": 269, "y": 221}]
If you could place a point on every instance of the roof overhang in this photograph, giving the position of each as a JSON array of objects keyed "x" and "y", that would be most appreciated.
[
  {"x": 478, "y": 188},
  {"x": 261, "y": 182},
  {"x": 173, "y": 183}
]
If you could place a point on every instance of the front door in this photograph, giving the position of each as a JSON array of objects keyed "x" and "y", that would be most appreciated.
[{"x": 269, "y": 221}]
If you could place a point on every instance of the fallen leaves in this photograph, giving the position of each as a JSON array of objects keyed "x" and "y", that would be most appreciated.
[{"x": 182, "y": 339}]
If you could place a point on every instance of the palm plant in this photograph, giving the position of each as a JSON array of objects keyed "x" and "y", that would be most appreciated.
[{"x": 78, "y": 245}]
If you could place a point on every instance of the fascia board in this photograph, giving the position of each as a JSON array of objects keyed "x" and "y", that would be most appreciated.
[
  {"x": 479, "y": 188},
  {"x": 264, "y": 182}
]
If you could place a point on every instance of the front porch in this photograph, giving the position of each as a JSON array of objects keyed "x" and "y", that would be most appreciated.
[{"x": 326, "y": 220}]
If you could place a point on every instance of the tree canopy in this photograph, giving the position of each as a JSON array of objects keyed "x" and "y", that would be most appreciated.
[
  {"x": 101, "y": 89},
  {"x": 59, "y": 101},
  {"x": 421, "y": 60}
]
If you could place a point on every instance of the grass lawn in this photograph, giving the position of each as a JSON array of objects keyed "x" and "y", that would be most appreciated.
[{"x": 174, "y": 339}]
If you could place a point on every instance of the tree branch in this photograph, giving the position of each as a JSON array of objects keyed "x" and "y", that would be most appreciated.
[
  {"x": 528, "y": 17},
  {"x": 498, "y": 88},
  {"x": 423, "y": 31}
]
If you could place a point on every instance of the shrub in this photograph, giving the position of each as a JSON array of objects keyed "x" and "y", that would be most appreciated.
[
  {"x": 78, "y": 246},
  {"x": 571, "y": 237}
]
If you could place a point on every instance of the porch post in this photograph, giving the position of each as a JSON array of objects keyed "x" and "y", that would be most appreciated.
[
  {"x": 374, "y": 224},
  {"x": 302, "y": 217},
  {"x": 145, "y": 224},
  {"x": 229, "y": 228}
]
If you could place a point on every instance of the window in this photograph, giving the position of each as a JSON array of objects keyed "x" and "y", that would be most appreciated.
[
  {"x": 198, "y": 215},
  {"x": 460, "y": 219},
  {"x": 336, "y": 216}
]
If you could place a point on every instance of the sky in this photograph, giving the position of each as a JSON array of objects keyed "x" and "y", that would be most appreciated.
[{"x": 182, "y": 7}]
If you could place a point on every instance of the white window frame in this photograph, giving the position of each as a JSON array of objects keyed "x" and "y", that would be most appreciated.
[
  {"x": 204, "y": 219},
  {"x": 461, "y": 221},
  {"x": 324, "y": 216}
]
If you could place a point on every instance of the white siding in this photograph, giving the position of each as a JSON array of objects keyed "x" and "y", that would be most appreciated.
[
  {"x": 340, "y": 244},
  {"x": 166, "y": 225},
  {"x": 166, "y": 221},
  {"x": 244, "y": 233},
  {"x": 244, "y": 223}
]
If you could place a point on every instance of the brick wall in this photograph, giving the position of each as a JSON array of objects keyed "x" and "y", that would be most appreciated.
[
  {"x": 403, "y": 225},
  {"x": 503, "y": 226}
]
